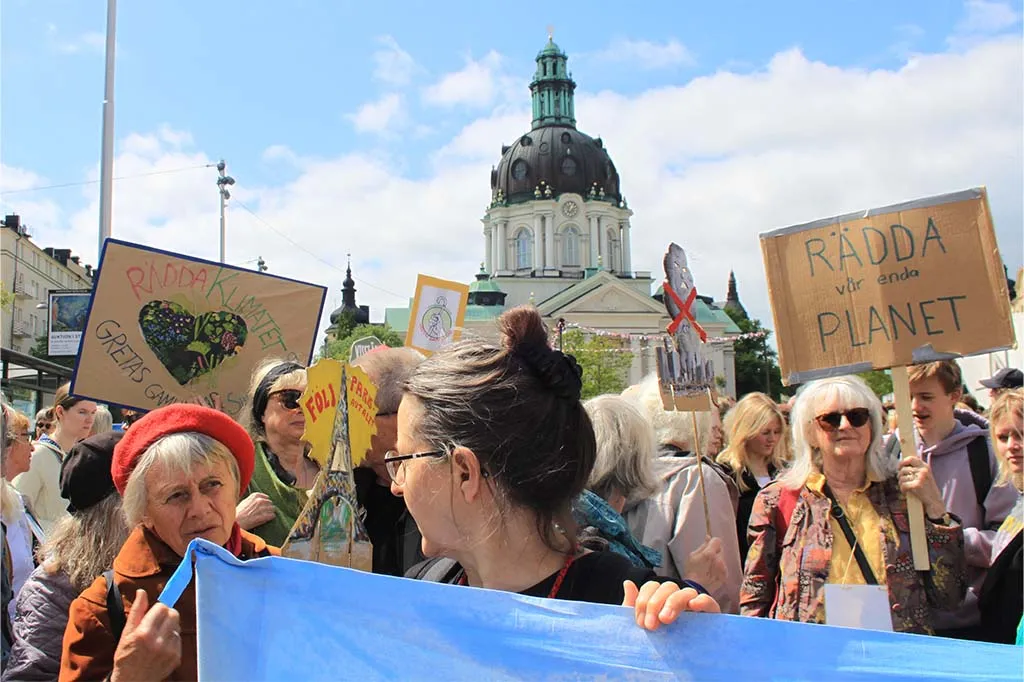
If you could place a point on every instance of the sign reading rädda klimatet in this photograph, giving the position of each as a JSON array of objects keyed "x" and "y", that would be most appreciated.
[
  {"x": 887, "y": 287},
  {"x": 167, "y": 328}
]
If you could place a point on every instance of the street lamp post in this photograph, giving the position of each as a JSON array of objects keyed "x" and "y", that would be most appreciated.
[
  {"x": 223, "y": 181},
  {"x": 107, "y": 149}
]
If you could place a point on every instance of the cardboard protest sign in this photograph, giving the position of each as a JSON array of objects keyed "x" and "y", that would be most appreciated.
[
  {"x": 893, "y": 286},
  {"x": 166, "y": 328},
  {"x": 66, "y": 321},
  {"x": 438, "y": 311},
  {"x": 361, "y": 347},
  {"x": 340, "y": 408}
]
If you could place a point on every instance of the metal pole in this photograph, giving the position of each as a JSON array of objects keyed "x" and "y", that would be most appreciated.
[
  {"x": 107, "y": 152},
  {"x": 223, "y": 201}
]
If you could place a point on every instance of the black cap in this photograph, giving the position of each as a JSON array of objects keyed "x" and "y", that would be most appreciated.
[
  {"x": 85, "y": 477},
  {"x": 1007, "y": 377}
]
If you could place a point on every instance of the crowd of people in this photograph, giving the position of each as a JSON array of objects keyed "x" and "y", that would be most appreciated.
[{"x": 488, "y": 470}]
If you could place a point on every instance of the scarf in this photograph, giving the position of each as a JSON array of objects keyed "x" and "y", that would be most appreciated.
[{"x": 592, "y": 511}]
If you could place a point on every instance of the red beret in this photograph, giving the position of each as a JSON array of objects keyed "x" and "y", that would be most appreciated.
[{"x": 181, "y": 418}]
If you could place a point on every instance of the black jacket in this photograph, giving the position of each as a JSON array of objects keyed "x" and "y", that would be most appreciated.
[{"x": 1001, "y": 598}]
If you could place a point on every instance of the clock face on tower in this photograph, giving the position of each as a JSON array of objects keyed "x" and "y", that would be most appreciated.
[{"x": 569, "y": 209}]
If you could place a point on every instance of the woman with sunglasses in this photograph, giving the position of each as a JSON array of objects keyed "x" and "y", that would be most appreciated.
[
  {"x": 493, "y": 446},
  {"x": 40, "y": 485},
  {"x": 283, "y": 473},
  {"x": 838, "y": 515}
]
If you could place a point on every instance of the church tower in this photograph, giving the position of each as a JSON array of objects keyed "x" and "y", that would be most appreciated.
[
  {"x": 732, "y": 299},
  {"x": 556, "y": 211}
]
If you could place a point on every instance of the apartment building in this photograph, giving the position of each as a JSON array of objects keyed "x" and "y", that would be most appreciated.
[{"x": 30, "y": 272}]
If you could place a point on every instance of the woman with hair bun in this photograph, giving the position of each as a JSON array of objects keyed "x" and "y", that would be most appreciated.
[{"x": 493, "y": 447}]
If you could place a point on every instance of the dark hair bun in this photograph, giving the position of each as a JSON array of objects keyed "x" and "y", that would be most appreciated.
[{"x": 524, "y": 336}]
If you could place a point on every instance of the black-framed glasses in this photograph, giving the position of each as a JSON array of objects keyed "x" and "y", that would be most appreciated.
[
  {"x": 393, "y": 462},
  {"x": 857, "y": 417},
  {"x": 289, "y": 398}
]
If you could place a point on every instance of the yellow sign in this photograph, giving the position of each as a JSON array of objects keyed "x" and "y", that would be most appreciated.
[
  {"x": 362, "y": 412},
  {"x": 319, "y": 402}
]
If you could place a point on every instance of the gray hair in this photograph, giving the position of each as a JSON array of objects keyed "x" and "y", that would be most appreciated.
[
  {"x": 103, "y": 421},
  {"x": 625, "y": 449},
  {"x": 180, "y": 451},
  {"x": 671, "y": 426},
  {"x": 852, "y": 393},
  {"x": 389, "y": 369},
  {"x": 83, "y": 545}
]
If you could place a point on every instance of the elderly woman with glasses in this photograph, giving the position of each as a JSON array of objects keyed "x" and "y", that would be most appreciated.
[
  {"x": 838, "y": 515},
  {"x": 179, "y": 471},
  {"x": 283, "y": 474}
]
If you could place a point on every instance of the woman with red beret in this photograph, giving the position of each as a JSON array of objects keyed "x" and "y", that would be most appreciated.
[{"x": 180, "y": 470}]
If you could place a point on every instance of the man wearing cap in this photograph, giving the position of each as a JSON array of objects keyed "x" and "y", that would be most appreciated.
[
  {"x": 1004, "y": 379},
  {"x": 180, "y": 470}
]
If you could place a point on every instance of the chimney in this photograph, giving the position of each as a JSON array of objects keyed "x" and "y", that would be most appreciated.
[
  {"x": 13, "y": 221},
  {"x": 74, "y": 259}
]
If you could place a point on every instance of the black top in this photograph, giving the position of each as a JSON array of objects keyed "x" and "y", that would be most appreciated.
[
  {"x": 1001, "y": 598},
  {"x": 745, "y": 507},
  {"x": 595, "y": 577},
  {"x": 395, "y": 537}
]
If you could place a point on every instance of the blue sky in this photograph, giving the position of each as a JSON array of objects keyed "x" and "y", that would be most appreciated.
[{"x": 369, "y": 127}]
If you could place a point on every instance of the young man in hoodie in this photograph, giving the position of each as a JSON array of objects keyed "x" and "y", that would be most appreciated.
[{"x": 944, "y": 439}]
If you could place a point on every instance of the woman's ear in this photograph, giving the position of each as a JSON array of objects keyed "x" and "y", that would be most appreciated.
[
  {"x": 58, "y": 413},
  {"x": 467, "y": 473}
]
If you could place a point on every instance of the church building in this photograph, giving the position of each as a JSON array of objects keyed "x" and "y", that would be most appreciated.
[{"x": 557, "y": 234}]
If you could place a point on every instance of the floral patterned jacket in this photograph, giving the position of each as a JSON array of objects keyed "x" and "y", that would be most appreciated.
[{"x": 798, "y": 567}]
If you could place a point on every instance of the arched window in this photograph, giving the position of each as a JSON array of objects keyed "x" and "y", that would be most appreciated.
[
  {"x": 571, "y": 240},
  {"x": 524, "y": 249},
  {"x": 611, "y": 259}
]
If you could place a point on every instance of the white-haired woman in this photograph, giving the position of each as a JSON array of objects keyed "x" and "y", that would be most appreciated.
[
  {"x": 623, "y": 469},
  {"x": 838, "y": 515},
  {"x": 672, "y": 521},
  {"x": 180, "y": 470},
  {"x": 283, "y": 473},
  {"x": 757, "y": 450},
  {"x": 102, "y": 421},
  {"x": 82, "y": 546}
]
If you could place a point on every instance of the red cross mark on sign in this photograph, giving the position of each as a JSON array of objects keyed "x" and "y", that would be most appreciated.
[{"x": 685, "y": 312}]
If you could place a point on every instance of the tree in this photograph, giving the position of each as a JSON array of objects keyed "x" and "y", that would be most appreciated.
[
  {"x": 338, "y": 348},
  {"x": 755, "y": 360},
  {"x": 604, "y": 360},
  {"x": 39, "y": 348},
  {"x": 878, "y": 381},
  {"x": 6, "y": 300}
]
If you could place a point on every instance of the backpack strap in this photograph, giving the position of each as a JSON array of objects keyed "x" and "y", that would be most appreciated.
[
  {"x": 893, "y": 447},
  {"x": 436, "y": 571},
  {"x": 115, "y": 606},
  {"x": 981, "y": 472}
]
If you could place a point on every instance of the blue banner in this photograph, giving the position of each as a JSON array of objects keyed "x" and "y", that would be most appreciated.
[{"x": 280, "y": 619}]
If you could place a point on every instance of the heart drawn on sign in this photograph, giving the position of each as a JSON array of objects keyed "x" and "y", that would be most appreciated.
[{"x": 189, "y": 345}]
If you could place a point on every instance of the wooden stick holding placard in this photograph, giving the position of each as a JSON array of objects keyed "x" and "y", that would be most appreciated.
[
  {"x": 700, "y": 476},
  {"x": 915, "y": 510}
]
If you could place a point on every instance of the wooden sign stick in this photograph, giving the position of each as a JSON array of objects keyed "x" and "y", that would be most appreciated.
[
  {"x": 915, "y": 510},
  {"x": 700, "y": 465}
]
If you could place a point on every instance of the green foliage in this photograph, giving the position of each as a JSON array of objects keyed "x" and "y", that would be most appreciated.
[
  {"x": 756, "y": 366},
  {"x": 878, "y": 381},
  {"x": 39, "y": 348},
  {"x": 605, "y": 364},
  {"x": 338, "y": 348},
  {"x": 6, "y": 300}
]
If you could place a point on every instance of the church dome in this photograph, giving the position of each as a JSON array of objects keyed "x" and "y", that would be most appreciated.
[
  {"x": 554, "y": 157},
  {"x": 559, "y": 157}
]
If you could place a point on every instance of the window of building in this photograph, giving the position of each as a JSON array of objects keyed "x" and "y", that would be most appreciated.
[
  {"x": 568, "y": 166},
  {"x": 571, "y": 241},
  {"x": 524, "y": 249}
]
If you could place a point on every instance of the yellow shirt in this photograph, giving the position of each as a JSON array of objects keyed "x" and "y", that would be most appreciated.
[{"x": 866, "y": 525}]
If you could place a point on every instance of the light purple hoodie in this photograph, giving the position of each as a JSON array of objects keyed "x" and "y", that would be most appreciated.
[{"x": 952, "y": 471}]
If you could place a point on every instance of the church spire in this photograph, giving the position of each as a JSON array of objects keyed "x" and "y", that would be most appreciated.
[
  {"x": 732, "y": 299},
  {"x": 348, "y": 288},
  {"x": 552, "y": 88}
]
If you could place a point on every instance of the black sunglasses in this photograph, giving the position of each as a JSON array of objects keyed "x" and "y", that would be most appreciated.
[
  {"x": 289, "y": 398},
  {"x": 857, "y": 417}
]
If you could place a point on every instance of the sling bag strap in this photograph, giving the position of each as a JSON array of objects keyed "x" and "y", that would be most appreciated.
[
  {"x": 115, "y": 606},
  {"x": 840, "y": 516}
]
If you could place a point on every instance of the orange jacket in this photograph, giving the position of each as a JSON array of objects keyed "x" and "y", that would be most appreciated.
[{"x": 144, "y": 563}]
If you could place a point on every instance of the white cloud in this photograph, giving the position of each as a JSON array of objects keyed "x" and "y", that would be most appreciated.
[
  {"x": 393, "y": 65},
  {"x": 88, "y": 42},
  {"x": 645, "y": 54},
  {"x": 476, "y": 84},
  {"x": 380, "y": 116},
  {"x": 982, "y": 19},
  {"x": 709, "y": 164}
]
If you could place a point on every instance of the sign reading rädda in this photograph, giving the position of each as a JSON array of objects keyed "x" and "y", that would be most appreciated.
[
  {"x": 166, "y": 328},
  {"x": 888, "y": 287}
]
